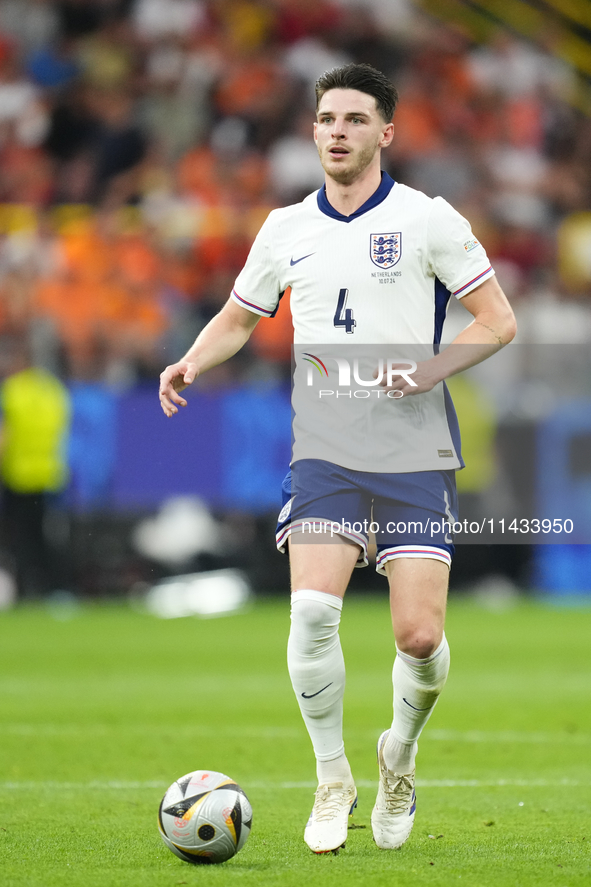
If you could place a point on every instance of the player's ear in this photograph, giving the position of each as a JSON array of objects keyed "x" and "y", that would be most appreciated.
[
  {"x": 315, "y": 132},
  {"x": 387, "y": 135}
]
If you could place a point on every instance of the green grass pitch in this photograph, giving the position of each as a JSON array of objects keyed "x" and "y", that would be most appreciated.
[{"x": 100, "y": 712}]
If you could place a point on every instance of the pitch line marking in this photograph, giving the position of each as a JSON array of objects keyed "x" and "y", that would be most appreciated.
[
  {"x": 435, "y": 735},
  {"x": 447, "y": 783},
  {"x": 507, "y": 736},
  {"x": 122, "y": 785}
]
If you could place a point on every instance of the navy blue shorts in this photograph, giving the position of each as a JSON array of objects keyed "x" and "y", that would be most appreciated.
[{"x": 409, "y": 514}]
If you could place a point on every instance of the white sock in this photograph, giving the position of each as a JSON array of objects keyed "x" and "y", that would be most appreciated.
[
  {"x": 317, "y": 670},
  {"x": 417, "y": 685},
  {"x": 337, "y": 770}
]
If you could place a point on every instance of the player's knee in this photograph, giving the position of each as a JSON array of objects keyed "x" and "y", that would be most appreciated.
[
  {"x": 308, "y": 614},
  {"x": 314, "y": 618},
  {"x": 314, "y": 629},
  {"x": 420, "y": 643}
]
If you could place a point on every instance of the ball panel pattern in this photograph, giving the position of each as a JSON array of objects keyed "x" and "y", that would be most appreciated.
[{"x": 205, "y": 817}]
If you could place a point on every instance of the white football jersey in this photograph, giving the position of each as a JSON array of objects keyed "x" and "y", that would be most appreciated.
[{"x": 382, "y": 276}]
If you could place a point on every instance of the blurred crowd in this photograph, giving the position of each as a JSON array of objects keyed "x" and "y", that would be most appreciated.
[{"x": 143, "y": 142}]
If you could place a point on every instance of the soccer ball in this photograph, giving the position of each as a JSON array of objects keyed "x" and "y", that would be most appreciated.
[{"x": 205, "y": 817}]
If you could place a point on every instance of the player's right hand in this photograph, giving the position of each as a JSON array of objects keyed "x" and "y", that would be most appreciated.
[{"x": 173, "y": 380}]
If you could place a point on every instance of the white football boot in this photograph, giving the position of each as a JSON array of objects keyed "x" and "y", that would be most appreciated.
[
  {"x": 393, "y": 816},
  {"x": 326, "y": 830}
]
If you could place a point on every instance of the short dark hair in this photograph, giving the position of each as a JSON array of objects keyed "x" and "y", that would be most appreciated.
[{"x": 366, "y": 79}]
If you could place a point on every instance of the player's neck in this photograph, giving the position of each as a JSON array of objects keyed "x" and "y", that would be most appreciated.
[{"x": 347, "y": 199}]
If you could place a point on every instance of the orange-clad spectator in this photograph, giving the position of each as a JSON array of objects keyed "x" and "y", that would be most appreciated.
[
  {"x": 417, "y": 123},
  {"x": 451, "y": 89},
  {"x": 111, "y": 306},
  {"x": 251, "y": 177},
  {"x": 226, "y": 251},
  {"x": 145, "y": 320},
  {"x": 442, "y": 70},
  {"x": 137, "y": 262},
  {"x": 524, "y": 124},
  {"x": 250, "y": 88},
  {"x": 74, "y": 301},
  {"x": 85, "y": 311},
  {"x": 106, "y": 289},
  {"x": 197, "y": 175},
  {"x": 25, "y": 174},
  {"x": 72, "y": 305},
  {"x": 87, "y": 255},
  {"x": 442, "y": 63},
  {"x": 183, "y": 272}
]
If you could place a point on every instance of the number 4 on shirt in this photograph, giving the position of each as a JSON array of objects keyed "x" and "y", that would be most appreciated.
[{"x": 344, "y": 316}]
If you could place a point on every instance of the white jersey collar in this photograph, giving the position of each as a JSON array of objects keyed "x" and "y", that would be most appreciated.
[{"x": 376, "y": 198}]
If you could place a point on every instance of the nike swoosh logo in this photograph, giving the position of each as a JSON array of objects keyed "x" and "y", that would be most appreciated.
[
  {"x": 412, "y": 706},
  {"x": 293, "y": 261},
  {"x": 312, "y": 695}
]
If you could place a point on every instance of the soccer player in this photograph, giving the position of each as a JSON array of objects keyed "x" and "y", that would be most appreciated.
[{"x": 370, "y": 262}]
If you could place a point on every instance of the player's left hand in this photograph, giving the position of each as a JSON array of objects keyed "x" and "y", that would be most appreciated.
[
  {"x": 415, "y": 378},
  {"x": 174, "y": 379}
]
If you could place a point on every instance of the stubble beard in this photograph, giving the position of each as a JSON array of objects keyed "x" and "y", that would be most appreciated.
[{"x": 347, "y": 176}]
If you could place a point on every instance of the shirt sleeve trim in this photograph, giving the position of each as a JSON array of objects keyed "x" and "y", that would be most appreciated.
[
  {"x": 265, "y": 312},
  {"x": 473, "y": 281}
]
